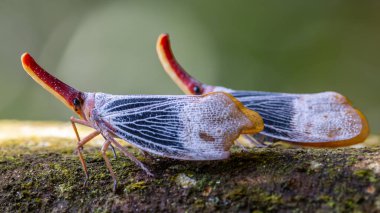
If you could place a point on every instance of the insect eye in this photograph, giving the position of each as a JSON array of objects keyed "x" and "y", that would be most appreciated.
[
  {"x": 76, "y": 102},
  {"x": 196, "y": 90}
]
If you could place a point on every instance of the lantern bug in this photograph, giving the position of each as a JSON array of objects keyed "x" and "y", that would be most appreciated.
[
  {"x": 182, "y": 127},
  {"x": 324, "y": 119}
]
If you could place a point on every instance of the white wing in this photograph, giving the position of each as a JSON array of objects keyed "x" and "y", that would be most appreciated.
[
  {"x": 320, "y": 117},
  {"x": 182, "y": 127}
]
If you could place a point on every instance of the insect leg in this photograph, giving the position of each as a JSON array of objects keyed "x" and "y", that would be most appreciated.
[
  {"x": 250, "y": 139},
  {"x": 113, "y": 151},
  {"x": 238, "y": 143},
  {"x": 80, "y": 145},
  {"x": 108, "y": 164},
  {"x": 79, "y": 121},
  {"x": 130, "y": 156},
  {"x": 85, "y": 123},
  {"x": 73, "y": 121},
  {"x": 146, "y": 155}
]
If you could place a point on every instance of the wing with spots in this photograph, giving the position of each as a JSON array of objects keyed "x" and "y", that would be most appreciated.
[
  {"x": 309, "y": 118},
  {"x": 183, "y": 127}
]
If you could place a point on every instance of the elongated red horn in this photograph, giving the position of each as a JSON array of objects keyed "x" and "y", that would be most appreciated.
[
  {"x": 59, "y": 89},
  {"x": 186, "y": 82}
]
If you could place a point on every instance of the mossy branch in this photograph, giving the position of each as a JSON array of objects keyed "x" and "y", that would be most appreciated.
[{"x": 50, "y": 178}]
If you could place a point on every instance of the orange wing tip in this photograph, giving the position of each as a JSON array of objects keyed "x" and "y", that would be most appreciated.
[
  {"x": 256, "y": 120},
  {"x": 364, "y": 133},
  {"x": 365, "y": 129}
]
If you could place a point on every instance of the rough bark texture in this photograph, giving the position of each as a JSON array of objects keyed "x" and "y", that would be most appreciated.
[{"x": 44, "y": 174}]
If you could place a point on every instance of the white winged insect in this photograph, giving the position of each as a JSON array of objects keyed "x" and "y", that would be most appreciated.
[
  {"x": 324, "y": 119},
  {"x": 180, "y": 127}
]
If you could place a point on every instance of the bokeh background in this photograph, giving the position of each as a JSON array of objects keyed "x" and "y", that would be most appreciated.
[{"x": 109, "y": 46}]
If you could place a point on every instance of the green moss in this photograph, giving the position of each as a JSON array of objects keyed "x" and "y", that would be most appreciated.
[
  {"x": 26, "y": 185},
  {"x": 65, "y": 190},
  {"x": 135, "y": 186},
  {"x": 350, "y": 204},
  {"x": 329, "y": 201},
  {"x": 260, "y": 180},
  {"x": 236, "y": 193},
  {"x": 366, "y": 174}
]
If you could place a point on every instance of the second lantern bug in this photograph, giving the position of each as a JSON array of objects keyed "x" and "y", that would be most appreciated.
[
  {"x": 324, "y": 119},
  {"x": 180, "y": 127}
]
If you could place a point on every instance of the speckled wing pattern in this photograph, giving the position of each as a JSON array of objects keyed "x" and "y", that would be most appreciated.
[
  {"x": 182, "y": 127},
  {"x": 319, "y": 117}
]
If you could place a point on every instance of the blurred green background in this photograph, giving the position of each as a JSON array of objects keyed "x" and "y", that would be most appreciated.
[{"x": 109, "y": 46}]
